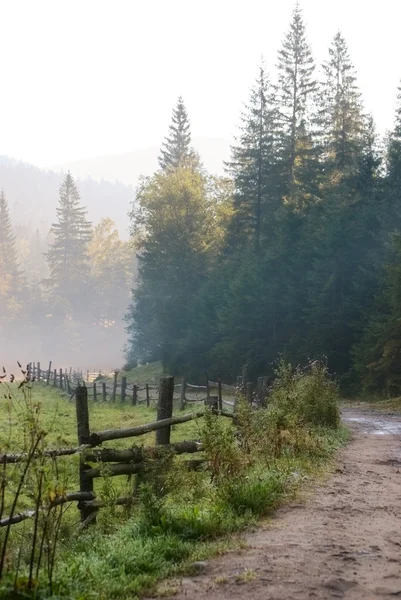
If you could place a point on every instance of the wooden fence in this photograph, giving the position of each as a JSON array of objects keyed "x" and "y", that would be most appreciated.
[
  {"x": 133, "y": 460},
  {"x": 119, "y": 389}
]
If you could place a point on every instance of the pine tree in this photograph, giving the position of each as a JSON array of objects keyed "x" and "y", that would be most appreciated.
[
  {"x": 10, "y": 276},
  {"x": 295, "y": 91},
  {"x": 341, "y": 115},
  {"x": 252, "y": 167},
  {"x": 68, "y": 256},
  {"x": 176, "y": 150}
]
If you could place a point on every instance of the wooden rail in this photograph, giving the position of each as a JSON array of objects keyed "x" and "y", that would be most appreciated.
[{"x": 133, "y": 460}]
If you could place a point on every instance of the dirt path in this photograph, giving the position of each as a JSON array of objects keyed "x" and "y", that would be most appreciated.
[{"x": 343, "y": 542}]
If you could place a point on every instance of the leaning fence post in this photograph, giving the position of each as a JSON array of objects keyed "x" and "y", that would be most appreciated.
[
  {"x": 134, "y": 395},
  {"x": 147, "y": 395},
  {"x": 104, "y": 392},
  {"x": 85, "y": 483},
  {"x": 94, "y": 392},
  {"x": 165, "y": 409},
  {"x": 114, "y": 393},
  {"x": 123, "y": 389},
  {"x": 182, "y": 397},
  {"x": 219, "y": 393}
]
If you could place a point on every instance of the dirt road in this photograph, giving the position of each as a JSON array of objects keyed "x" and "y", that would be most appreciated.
[{"x": 342, "y": 541}]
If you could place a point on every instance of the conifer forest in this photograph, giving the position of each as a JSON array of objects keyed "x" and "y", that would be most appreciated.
[{"x": 295, "y": 252}]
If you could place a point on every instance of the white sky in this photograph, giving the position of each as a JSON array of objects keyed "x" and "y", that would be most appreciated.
[{"x": 85, "y": 78}]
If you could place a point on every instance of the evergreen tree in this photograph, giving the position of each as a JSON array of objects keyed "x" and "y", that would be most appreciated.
[
  {"x": 341, "y": 115},
  {"x": 174, "y": 228},
  {"x": 68, "y": 256},
  {"x": 378, "y": 353},
  {"x": 391, "y": 214},
  {"x": 176, "y": 150},
  {"x": 295, "y": 92},
  {"x": 252, "y": 168},
  {"x": 10, "y": 279}
]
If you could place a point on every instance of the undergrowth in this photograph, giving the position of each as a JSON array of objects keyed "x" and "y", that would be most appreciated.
[{"x": 179, "y": 516}]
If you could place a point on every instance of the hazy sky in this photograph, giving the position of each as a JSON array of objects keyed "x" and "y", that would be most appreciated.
[{"x": 85, "y": 78}]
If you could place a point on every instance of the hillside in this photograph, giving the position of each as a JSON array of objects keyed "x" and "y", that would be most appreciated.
[
  {"x": 33, "y": 195},
  {"x": 128, "y": 167}
]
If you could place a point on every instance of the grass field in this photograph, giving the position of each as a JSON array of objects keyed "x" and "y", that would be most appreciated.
[{"x": 178, "y": 516}]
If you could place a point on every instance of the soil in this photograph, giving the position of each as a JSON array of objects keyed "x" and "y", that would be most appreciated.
[{"x": 343, "y": 540}]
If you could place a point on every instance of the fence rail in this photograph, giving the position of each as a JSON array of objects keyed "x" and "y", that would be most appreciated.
[{"x": 132, "y": 460}]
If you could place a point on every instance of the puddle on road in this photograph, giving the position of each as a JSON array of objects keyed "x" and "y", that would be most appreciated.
[{"x": 376, "y": 425}]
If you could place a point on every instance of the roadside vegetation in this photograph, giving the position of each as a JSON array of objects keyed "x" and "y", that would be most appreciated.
[{"x": 177, "y": 516}]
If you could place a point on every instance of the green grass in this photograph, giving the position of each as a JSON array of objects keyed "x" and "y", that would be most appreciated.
[
  {"x": 58, "y": 418},
  {"x": 150, "y": 373},
  {"x": 183, "y": 528},
  {"x": 178, "y": 516}
]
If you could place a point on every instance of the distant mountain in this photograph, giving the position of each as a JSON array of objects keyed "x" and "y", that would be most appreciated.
[
  {"x": 128, "y": 167},
  {"x": 33, "y": 195}
]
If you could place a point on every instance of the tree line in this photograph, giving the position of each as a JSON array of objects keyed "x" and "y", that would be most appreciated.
[{"x": 296, "y": 252}]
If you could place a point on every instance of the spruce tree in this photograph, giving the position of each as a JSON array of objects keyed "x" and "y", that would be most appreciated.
[
  {"x": 341, "y": 115},
  {"x": 295, "y": 91},
  {"x": 10, "y": 278},
  {"x": 252, "y": 167},
  {"x": 68, "y": 256},
  {"x": 176, "y": 150}
]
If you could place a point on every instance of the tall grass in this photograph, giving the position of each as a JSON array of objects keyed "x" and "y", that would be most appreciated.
[{"x": 177, "y": 515}]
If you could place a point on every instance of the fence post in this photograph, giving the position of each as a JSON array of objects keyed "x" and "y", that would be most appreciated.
[
  {"x": 147, "y": 395},
  {"x": 123, "y": 389},
  {"x": 114, "y": 393},
  {"x": 165, "y": 408},
  {"x": 182, "y": 397},
  {"x": 262, "y": 390},
  {"x": 219, "y": 393},
  {"x": 38, "y": 371},
  {"x": 87, "y": 375},
  {"x": 245, "y": 375},
  {"x": 207, "y": 387},
  {"x": 48, "y": 373},
  {"x": 94, "y": 392},
  {"x": 134, "y": 395},
  {"x": 33, "y": 370},
  {"x": 55, "y": 377},
  {"x": 104, "y": 392},
  {"x": 85, "y": 483},
  {"x": 61, "y": 379},
  {"x": 249, "y": 391}
]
